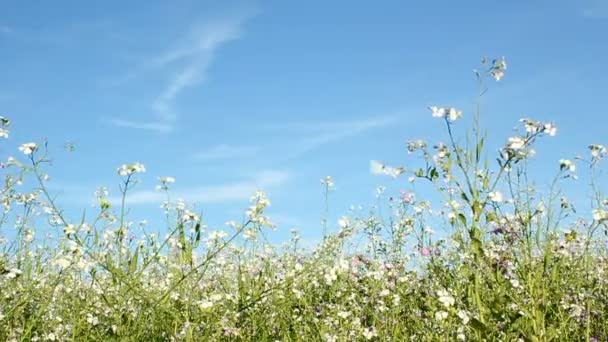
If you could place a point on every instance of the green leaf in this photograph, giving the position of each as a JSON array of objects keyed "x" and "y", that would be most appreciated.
[
  {"x": 197, "y": 234},
  {"x": 434, "y": 174},
  {"x": 462, "y": 219},
  {"x": 478, "y": 150},
  {"x": 491, "y": 217},
  {"x": 477, "y": 209},
  {"x": 477, "y": 246},
  {"x": 133, "y": 263},
  {"x": 478, "y": 326},
  {"x": 182, "y": 234},
  {"x": 464, "y": 197},
  {"x": 187, "y": 255}
]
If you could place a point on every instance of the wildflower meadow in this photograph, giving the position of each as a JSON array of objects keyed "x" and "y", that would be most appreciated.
[{"x": 484, "y": 254}]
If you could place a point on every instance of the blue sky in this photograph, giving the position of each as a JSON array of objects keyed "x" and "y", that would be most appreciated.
[{"x": 229, "y": 97}]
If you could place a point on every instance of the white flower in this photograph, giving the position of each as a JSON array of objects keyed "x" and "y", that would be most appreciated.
[
  {"x": 166, "y": 180},
  {"x": 369, "y": 333},
  {"x": 62, "y": 262},
  {"x": 164, "y": 183},
  {"x": 217, "y": 235},
  {"x": 189, "y": 216},
  {"x": 4, "y": 133},
  {"x": 328, "y": 182},
  {"x": 28, "y": 148},
  {"x": 516, "y": 143},
  {"x": 205, "y": 304},
  {"x": 497, "y": 74},
  {"x": 442, "y": 152},
  {"x": 600, "y": 215},
  {"x": 344, "y": 314},
  {"x": 29, "y": 236},
  {"x": 180, "y": 204},
  {"x": 13, "y": 273},
  {"x": 498, "y": 68},
  {"x": 495, "y": 196},
  {"x": 101, "y": 192},
  {"x": 598, "y": 151},
  {"x": 533, "y": 127},
  {"x": 129, "y": 169},
  {"x": 69, "y": 229},
  {"x": 12, "y": 161},
  {"x": 463, "y": 316},
  {"x": 250, "y": 234},
  {"x": 384, "y": 293},
  {"x": 92, "y": 320},
  {"x": 453, "y": 204},
  {"x": 550, "y": 129},
  {"x": 329, "y": 338},
  {"x": 566, "y": 164},
  {"x": 452, "y": 114},
  {"x": 445, "y": 298},
  {"x": 344, "y": 222},
  {"x": 441, "y": 315},
  {"x": 438, "y": 112},
  {"x": 500, "y": 63}
]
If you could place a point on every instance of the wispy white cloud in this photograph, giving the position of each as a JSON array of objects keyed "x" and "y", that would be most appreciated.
[
  {"x": 225, "y": 151},
  {"x": 157, "y": 126},
  {"x": 323, "y": 133},
  {"x": 227, "y": 192},
  {"x": 187, "y": 63},
  {"x": 195, "y": 55},
  {"x": 347, "y": 124},
  {"x": 303, "y": 137}
]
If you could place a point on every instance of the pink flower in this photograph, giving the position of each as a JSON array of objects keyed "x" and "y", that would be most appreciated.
[
  {"x": 425, "y": 251},
  {"x": 407, "y": 197}
]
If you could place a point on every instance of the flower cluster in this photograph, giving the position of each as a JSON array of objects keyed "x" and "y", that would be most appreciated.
[
  {"x": 255, "y": 213},
  {"x": 164, "y": 183},
  {"x": 129, "y": 169},
  {"x": 598, "y": 151},
  {"x": 535, "y": 127},
  {"x": 497, "y": 70},
  {"x": 449, "y": 113},
  {"x": 328, "y": 183},
  {"x": 28, "y": 148},
  {"x": 567, "y": 164},
  {"x": 519, "y": 147}
]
